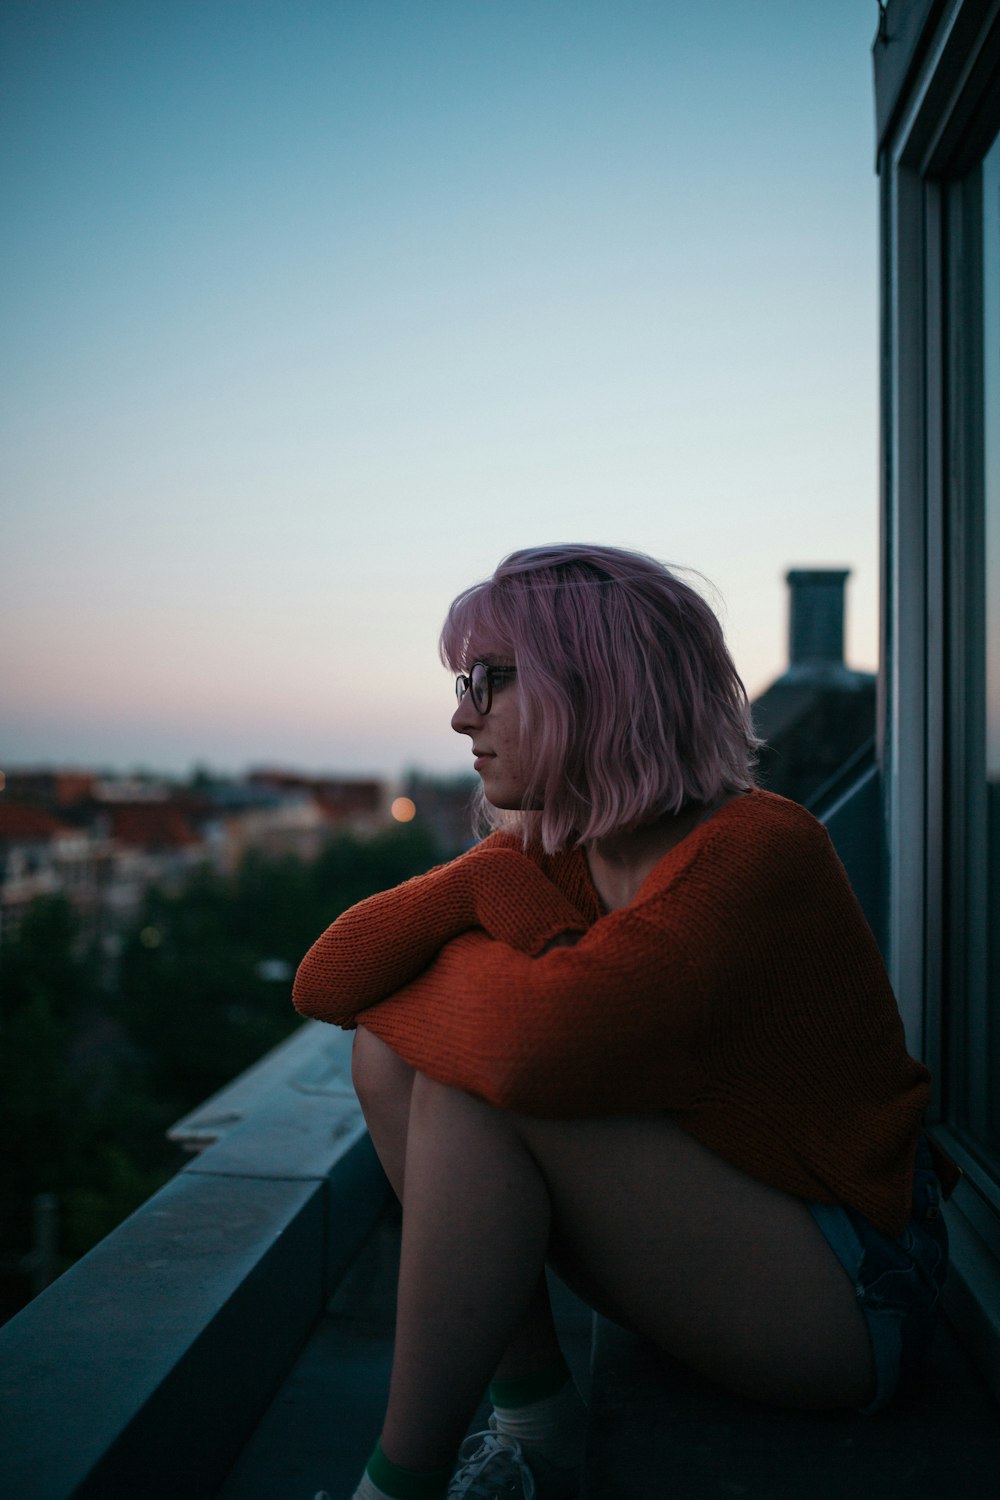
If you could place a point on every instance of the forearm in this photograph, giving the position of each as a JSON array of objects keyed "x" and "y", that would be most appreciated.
[
  {"x": 574, "y": 1033},
  {"x": 378, "y": 946}
]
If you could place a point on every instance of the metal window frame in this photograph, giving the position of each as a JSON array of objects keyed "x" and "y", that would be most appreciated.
[{"x": 935, "y": 121}]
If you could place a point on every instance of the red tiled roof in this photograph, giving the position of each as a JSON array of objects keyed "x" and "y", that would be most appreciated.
[
  {"x": 18, "y": 822},
  {"x": 365, "y": 797},
  {"x": 150, "y": 824}
]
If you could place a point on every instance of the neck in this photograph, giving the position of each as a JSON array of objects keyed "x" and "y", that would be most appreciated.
[{"x": 620, "y": 862}]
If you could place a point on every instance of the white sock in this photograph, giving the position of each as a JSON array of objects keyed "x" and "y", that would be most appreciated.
[
  {"x": 554, "y": 1428},
  {"x": 368, "y": 1490}
]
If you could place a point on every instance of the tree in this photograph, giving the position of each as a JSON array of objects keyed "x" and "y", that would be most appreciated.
[{"x": 92, "y": 1074}]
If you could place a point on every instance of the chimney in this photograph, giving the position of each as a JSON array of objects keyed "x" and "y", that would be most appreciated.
[{"x": 816, "y": 616}]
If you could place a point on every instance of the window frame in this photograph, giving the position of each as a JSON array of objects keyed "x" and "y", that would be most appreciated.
[{"x": 938, "y": 110}]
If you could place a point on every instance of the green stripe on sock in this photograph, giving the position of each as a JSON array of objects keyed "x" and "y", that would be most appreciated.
[
  {"x": 407, "y": 1484},
  {"x": 528, "y": 1388}
]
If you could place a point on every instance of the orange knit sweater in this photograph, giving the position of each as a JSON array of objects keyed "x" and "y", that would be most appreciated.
[{"x": 742, "y": 991}]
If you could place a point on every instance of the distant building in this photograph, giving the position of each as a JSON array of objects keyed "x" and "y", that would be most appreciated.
[
  {"x": 444, "y": 805},
  {"x": 359, "y": 804},
  {"x": 819, "y": 714},
  {"x": 103, "y": 840},
  {"x": 293, "y": 827},
  {"x": 41, "y": 855},
  {"x": 54, "y": 789},
  {"x": 153, "y": 843}
]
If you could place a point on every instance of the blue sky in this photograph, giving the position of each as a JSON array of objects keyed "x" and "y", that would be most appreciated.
[{"x": 313, "y": 311}]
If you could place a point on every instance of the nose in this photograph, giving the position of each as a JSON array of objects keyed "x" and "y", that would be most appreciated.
[{"x": 466, "y": 719}]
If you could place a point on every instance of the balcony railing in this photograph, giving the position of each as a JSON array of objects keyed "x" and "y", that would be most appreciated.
[{"x": 144, "y": 1368}]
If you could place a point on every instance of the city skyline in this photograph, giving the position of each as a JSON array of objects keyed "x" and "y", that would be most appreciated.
[{"x": 315, "y": 311}]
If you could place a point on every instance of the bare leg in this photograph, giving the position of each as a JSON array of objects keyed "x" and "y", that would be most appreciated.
[
  {"x": 469, "y": 1208},
  {"x": 728, "y": 1274},
  {"x": 384, "y": 1085}
]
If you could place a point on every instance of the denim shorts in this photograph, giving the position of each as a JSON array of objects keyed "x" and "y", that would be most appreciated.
[{"x": 898, "y": 1282}]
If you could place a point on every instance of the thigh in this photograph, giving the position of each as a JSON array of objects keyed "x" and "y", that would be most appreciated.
[{"x": 723, "y": 1271}]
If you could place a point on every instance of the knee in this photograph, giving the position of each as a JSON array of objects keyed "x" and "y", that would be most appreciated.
[
  {"x": 434, "y": 1105},
  {"x": 381, "y": 1079}
]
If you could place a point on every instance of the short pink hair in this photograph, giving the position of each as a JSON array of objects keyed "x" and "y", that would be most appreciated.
[{"x": 631, "y": 705}]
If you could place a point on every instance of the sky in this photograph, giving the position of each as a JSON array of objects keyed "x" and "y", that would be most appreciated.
[{"x": 313, "y": 311}]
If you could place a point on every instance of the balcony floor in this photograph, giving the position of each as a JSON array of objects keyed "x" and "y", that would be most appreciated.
[
  {"x": 649, "y": 1417},
  {"x": 320, "y": 1428}
]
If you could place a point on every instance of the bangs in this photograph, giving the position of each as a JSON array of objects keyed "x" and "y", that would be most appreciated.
[{"x": 478, "y": 611}]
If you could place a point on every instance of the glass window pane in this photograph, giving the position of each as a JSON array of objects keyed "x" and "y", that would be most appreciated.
[{"x": 991, "y": 467}]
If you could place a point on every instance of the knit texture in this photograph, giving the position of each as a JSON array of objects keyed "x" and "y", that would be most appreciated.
[{"x": 742, "y": 991}]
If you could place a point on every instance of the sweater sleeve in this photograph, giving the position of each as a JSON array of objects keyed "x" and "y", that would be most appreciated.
[
  {"x": 572, "y": 1033},
  {"x": 378, "y": 946}
]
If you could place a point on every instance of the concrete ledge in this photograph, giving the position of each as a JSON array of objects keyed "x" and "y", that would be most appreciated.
[
  {"x": 314, "y": 1062},
  {"x": 300, "y": 1123},
  {"x": 144, "y": 1368},
  {"x": 173, "y": 1325}
]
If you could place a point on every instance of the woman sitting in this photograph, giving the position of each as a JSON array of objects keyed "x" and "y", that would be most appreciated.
[{"x": 641, "y": 1032}]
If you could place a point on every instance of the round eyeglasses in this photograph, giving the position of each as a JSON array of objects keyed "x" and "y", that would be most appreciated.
[{"x": 479, "y": 682}]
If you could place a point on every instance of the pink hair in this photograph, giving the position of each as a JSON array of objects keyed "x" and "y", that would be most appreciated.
[{"x": 631, "y": 705}]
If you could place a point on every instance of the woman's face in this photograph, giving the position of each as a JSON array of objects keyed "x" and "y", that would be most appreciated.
[{"x": 495, "y": 736}]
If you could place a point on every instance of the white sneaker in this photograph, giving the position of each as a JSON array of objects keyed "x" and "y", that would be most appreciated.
[{"x": 492, "y": 1466}]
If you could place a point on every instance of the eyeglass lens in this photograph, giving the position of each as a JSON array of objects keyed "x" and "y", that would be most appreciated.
[
  {"x": 478, "y": 683},
  {"x": 479, "y": 686}
]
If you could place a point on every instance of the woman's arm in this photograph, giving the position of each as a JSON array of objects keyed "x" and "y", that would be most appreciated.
[
  {"x": 745, "y": 945},
  {"x": 607, "y": 1025},
  {"x": 381, "y": 944}
]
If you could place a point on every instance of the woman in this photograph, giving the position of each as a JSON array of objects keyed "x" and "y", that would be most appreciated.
[{"x": 641, "y": 1031}]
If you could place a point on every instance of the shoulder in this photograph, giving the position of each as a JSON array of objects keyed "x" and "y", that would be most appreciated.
[
  {"x": 769, "y": 837},
  {"x": 778, "y": 869},
  {"x": 757, "y": 843},
  {"x": 770, "y": 821},
  {"x": 757, "y": 824}
]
